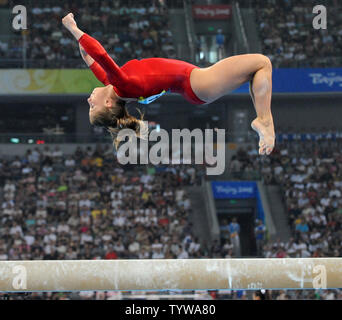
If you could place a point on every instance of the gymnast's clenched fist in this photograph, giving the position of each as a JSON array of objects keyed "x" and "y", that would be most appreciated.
[{"x": 69, "y": 21}]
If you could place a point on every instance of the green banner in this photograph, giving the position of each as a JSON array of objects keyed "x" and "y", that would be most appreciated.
[{"x": 45, "y": 81}]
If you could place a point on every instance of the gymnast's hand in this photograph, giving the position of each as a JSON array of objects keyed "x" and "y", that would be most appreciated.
[{"x": 69, "y": 21}]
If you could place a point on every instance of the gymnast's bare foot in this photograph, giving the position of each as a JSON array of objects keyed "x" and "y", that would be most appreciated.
[{"x": 265, "y": 130}]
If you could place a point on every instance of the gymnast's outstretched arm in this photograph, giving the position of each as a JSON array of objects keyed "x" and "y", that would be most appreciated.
[
  {"x": 96, "y": 51},
  {"x": 99, "y": 73},
  {"x": 86, "y": 57}
]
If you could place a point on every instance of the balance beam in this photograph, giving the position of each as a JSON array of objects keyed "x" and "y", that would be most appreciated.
[{"x": 182, "y": 274}]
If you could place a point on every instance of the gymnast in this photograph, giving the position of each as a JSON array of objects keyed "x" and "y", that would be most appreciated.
[{"x": 147, "y": 79}]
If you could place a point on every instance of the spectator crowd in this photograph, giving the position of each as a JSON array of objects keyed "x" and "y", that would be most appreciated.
[
  {"x": 308, "y": 169},
  {"x": 86, "y": 206},
  {"x": 132, "y": 29},
  {"x": 310, "y": 176},
  {"x": 127, "y": 29},
  {"x": 289, "y": 39}
]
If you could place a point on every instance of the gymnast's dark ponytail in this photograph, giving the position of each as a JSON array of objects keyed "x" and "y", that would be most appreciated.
[{"x": 118, "y": 118}]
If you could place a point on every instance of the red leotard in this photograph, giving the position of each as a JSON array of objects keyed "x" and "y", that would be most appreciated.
[{"x": 140, "y": 78}]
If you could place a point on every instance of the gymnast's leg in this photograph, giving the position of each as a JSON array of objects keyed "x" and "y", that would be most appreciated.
[{"x": 227, "y": 75}]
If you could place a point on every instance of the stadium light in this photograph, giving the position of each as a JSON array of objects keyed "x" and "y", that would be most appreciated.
[{"x": 15, "y": 140}]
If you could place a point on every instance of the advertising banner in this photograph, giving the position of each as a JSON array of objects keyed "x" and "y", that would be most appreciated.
[
  {"x": 233, "y": 190},
  {"x": 239, "y": 190},
  {"x": 212, "y": 12},
  {"x": 47, "y": 81},
  {"x": 78, "y": 81},
  {"x": 304, "y": 80}
]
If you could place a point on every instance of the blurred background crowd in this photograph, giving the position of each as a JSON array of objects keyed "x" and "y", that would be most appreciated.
[
  {"x": 86, "y": 206},
  {"x": 141, "y": 29}
]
